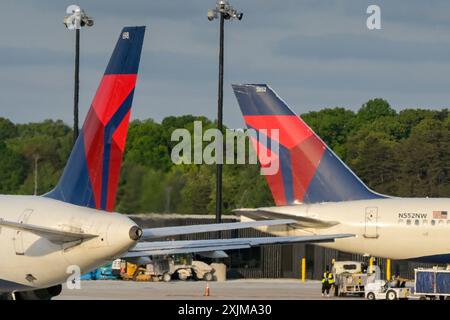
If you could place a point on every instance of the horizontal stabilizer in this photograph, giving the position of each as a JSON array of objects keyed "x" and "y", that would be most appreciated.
[
  {"x": 300, "y": 221},
  {"x": 174, "y": 231},
  {"x": 196, "y": 246},
  {"x": 54, "y": 235}
]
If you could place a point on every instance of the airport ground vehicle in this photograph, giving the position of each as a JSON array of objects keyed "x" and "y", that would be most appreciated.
[
  {"x": 165, "y": 267},
  {"x": 351, "y": 277},
  {"x": 383, "y": 290},
  {"x": 183, "y": 266},
  {"x": 432, "y": 283},
  {"x": 202, "y": 270},
  {"x": 102, "y": 273}
]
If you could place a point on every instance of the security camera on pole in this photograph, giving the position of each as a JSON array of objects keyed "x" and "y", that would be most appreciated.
[
  {"x": 223, "y": 11},
  {"x": 74, "y": 20}
]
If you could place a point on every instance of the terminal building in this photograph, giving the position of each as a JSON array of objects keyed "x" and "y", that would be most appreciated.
[{"x": 270, "y": 261}]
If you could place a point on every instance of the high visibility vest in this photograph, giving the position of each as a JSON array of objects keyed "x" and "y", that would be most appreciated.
[{"x": 328, "y": 277}]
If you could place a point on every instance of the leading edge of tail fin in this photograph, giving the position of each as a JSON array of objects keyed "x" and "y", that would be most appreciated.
[
  {"x": 309, "y": 171},
  {"x": 91, "y": 175}
]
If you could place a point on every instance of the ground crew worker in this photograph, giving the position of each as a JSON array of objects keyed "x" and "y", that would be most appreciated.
[{"x": 327, "y": 282}]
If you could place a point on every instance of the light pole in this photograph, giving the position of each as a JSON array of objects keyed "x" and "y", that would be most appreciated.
[
  {"x": 36, "y": 159},
  {"x": 223, "y": 11},
  {"x": 74, "y": 20}
]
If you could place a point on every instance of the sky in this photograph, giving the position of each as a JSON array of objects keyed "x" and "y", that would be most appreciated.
[{"x": 314, "y": 54}]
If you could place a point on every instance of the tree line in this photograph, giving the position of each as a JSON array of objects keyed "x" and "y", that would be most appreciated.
[{"x": 404, "y": 153}]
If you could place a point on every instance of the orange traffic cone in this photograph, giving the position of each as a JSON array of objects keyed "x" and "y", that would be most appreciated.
[{"x": 206, "y": 293}]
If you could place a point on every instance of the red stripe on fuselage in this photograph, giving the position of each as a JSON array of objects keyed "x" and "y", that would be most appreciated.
[
  {"x": 112, "y": 92},
  {"x": 292, "y": 130}
]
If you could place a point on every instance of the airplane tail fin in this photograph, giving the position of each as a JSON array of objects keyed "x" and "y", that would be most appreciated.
[
  {"x": 91, "y": 175},
  {"x": 309, "y": 171}
]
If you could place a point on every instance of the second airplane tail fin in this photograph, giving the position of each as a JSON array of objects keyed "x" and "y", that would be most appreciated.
[
  {"x": 91, "y": 176},
  {"x": 309, "y": 171}
]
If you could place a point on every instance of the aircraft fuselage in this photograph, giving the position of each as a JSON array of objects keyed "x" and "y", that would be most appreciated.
[
  {"x": 396, "y": 228},
  {"x": 29, "y": 261}
]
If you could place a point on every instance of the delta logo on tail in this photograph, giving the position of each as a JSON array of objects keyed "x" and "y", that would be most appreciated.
[
  {"x": 309, "y": 171},
  {"x": 91, "y": 176}
]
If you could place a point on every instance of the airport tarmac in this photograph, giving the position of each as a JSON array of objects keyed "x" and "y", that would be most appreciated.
[{"x": 242, "y": 289}]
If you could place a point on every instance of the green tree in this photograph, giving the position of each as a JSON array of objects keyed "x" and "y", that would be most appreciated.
[
  {"x": 424, "y": 159},
  {"x": 332, "y": 126},
  {"x": 174, "y": 184},
  {"x": 372, "y": 156},
  {"x": 410, "y": 118},
  {"x": 13, "y": 170},
  {"x": 196, "y": 194},
  {"x": 8, "y": 129},
  {"x": 147, "y": 146},
  {"x": 130, "y": 188},
  {"x": 153, "y": 192},
  {"x": 372, "y": 110},
  {"x": 391, "y": 126},
  {"x": 49, "y": 142}
]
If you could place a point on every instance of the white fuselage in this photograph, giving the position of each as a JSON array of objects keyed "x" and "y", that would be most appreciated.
[
  {"x": 30, "y": 261},
  {"x": 396, "y": 228}
]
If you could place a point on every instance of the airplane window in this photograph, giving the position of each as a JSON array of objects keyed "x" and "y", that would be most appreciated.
[
  {"x": 425, "y": 221},
  {"x": 416, "y": 222},
  {"x": 433, "y": 222},
  {"x": 408, "y": 222},
  {"x": 441, "y": 222}
]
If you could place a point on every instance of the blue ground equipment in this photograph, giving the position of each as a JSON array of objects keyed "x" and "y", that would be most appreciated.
[
  {"x": 432, "y": 283},
  {"x": 103, "y": 273}
]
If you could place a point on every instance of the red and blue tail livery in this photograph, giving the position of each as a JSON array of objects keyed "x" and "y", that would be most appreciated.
[
  {"x": 309, "y": 171},
  {"x": 91, "y": 176}
]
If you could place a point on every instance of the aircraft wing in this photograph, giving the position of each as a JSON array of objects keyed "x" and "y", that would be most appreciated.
[
  {"x": 52, "y": 234},
  {"x": 173, "y": 231},
  {"x": 156, "y": 248},
  {"x": 299, "y": 221}
]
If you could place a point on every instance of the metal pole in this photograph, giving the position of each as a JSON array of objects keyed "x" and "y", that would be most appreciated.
[
  {"x": 77, "y": 85},
  {"x": 388, "y": 269},
  {"x": 303, "y": 269},
  {"x": 36, "y": 159},
  {"x": 220, "y": 123}
]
